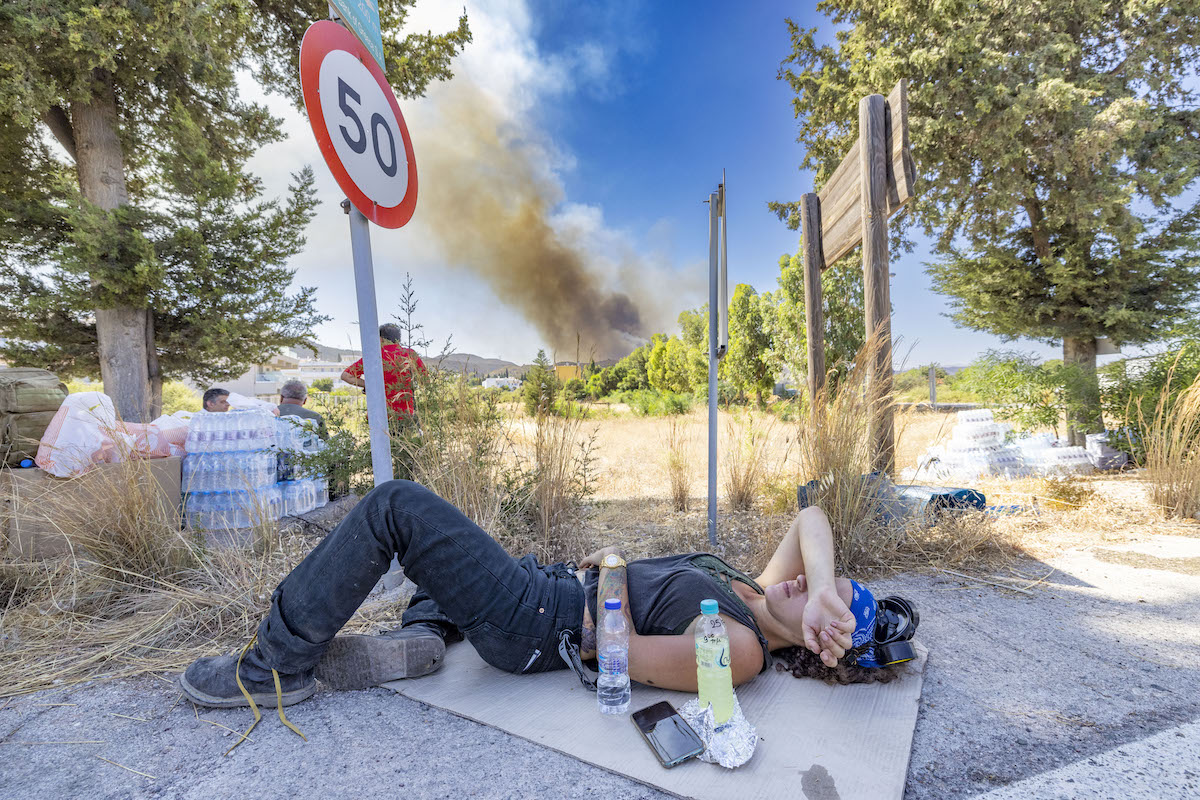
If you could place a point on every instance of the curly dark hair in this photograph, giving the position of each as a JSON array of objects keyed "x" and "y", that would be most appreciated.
[{"x": 803, "y": 663}]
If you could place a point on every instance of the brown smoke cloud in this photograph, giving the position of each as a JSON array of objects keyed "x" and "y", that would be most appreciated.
[{"x": 486, "y": 201}]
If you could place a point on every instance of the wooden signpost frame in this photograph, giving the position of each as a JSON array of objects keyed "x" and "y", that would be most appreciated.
[{"x": 873, "y": 182}]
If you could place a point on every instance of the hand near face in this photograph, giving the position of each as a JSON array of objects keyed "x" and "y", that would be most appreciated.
[{"x": 828, "y": 625}]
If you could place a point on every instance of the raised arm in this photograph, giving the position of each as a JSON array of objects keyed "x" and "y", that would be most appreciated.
[{"x": 807, "y": 550}]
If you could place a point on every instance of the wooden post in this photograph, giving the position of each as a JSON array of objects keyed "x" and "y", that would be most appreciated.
[
  {"x": 933, "y": 387},
  {"x": 873, "y": 172},
  {"x": 814, "y": 310}
]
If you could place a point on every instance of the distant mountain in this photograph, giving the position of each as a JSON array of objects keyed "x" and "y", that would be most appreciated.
[
  {"x": 322, "y": 352},
  {"x": 478, "y": 366},
  {"x": 458, "y": 363}
]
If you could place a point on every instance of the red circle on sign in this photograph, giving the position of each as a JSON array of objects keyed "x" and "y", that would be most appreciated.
[{"x": 320, "y": 40}]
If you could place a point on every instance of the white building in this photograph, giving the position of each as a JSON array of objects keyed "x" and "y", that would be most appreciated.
[
  {"x": 264, "y": 381},
  {"x": 501, "y": 383}
]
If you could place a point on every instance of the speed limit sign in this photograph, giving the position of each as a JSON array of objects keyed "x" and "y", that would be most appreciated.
[{"x": 358, "y": 125}]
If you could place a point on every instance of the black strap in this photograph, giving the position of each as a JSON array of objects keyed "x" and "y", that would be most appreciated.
[{"x": 570, "y": 654}]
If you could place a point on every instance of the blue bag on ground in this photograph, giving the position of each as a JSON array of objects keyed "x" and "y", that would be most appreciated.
[{"x": 897, "y": 503}]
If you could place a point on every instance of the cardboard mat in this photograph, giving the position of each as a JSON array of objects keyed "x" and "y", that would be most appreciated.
[{"x": 815, "y": 741}]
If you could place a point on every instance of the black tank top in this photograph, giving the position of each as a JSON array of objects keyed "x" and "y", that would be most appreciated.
[{"x": 665, "y": 594}]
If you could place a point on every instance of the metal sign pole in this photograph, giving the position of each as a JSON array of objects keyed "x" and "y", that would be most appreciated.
[
  {"x": 368, "y": 330},
  {"x": 713, "y": 348}
]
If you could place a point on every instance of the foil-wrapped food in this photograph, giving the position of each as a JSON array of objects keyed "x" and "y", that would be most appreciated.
[{"x": 729, "y": 745}]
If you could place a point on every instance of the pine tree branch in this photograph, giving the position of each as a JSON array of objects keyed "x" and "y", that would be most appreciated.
[{"x": 59, "y": 123}]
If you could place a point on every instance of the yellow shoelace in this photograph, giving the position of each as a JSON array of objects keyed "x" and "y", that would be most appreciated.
[{"x": 253, "y": 707}]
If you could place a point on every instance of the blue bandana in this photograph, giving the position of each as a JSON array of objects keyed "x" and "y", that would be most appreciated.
[{"x": 863, "y": 607}]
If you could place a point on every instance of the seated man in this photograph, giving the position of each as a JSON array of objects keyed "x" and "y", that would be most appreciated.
[
  {"x": 216, "y": 399},
  {"x": 292, "y": 397},
  {"x": 519, "y": 614}
]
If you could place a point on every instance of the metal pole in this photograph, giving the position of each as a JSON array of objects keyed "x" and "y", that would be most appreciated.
[
  {"x": 933, "y": 387},
  {"x": 713, "y": 346},
  {"x": 723, "y": 279},
  {"x": 368, "y": 331}
]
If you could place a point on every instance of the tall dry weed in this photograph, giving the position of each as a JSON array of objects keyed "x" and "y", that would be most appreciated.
[
  {"x": 835, "y": 447},
  {"x": 561, "y": 479},
  {"x": 135, "y": 594},
  {"x": 460, "y": 453},
  {"x": 1172, "y": 440},
  {"x": 745, "y": 467},
  {"x": 678, "y": 444}
]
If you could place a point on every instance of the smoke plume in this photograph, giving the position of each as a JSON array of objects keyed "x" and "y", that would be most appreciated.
[{"x": 487, "y": 195}]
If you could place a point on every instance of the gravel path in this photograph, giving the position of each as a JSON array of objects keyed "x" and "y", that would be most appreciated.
[{"x": 1072, "y": 688}]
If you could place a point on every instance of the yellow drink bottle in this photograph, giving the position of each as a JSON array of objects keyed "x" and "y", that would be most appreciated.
[{"x": 714, "y": 676}]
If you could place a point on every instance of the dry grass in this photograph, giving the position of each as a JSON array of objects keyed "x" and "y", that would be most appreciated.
[
  {"x": 744, "y": 464},
  {"x": 678, "y": 445},
  {"x": 1172, "y": 440},
  {"x": 1064, "y": 493},
  {"x": 835, "y": 447},
  {"x": 549, "y": 474},
  {"x": 463, "y": 457},
  {"x": 561, "y": 469},
  {"x": 961, "y": 540},
  {"x": 137, "y": 594}
]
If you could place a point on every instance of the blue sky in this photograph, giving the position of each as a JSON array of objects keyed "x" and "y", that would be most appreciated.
[{"x": 626, "y": 112}]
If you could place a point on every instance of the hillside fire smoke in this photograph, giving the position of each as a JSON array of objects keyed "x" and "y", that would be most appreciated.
[{"x": 489, "y": 206}]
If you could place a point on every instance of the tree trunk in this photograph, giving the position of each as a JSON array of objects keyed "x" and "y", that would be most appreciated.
[
  {"x": 120, "y": 331},
  {"x": 1081, "y": 420},
  {"x": 156, "y": 383}
]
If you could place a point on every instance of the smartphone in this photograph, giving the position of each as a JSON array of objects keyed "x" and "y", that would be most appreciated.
[{"x": 668, "y": 734}]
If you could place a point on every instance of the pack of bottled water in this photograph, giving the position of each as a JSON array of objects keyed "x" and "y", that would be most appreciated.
[
  {"x": 299, "y": 497},
  {"x": 238, "y": 509},
  {"x": 218, "y": 472},
  {"x": 302, "y": 491},
  {"x": 230, "y": 431},
  {"x": 979, "y": 446},
  {"x": 241, "y": 469},
  {"x": 295, "y": 436},
  {"x": 229, "y": 472},
  {"x": 1061, "y": 461}
]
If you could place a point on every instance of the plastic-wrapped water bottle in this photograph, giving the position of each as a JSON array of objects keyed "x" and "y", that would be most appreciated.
[
  {"x": 612, "y": 688},
  {"x": 713, "y": 673}
]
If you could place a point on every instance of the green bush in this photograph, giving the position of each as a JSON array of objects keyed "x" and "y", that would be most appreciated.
[
  {"x": 541, "y": 386},
  {"x": 1161, "y": 379},
  {"x": 178, "y": 396},
  {"x": 649, "y": 403},
  {"x": 574, "y": 389},
  {"x": 1031, "y": 394},
  {"x": 322, "y": 385}
]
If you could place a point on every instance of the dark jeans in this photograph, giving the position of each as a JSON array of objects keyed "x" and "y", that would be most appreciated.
[{"x": 511, "y": 611}]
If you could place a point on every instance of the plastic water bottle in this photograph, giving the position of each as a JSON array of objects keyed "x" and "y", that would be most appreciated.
[
  {"x": 612, "y": 689},
  {"x": 713, "y": 673}
]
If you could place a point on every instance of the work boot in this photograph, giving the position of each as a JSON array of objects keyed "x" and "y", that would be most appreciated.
[
  {"x": 355, "y": 661},
  {"x": 211, "y": 682}
]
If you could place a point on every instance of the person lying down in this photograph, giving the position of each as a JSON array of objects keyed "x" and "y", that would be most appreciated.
[{"x": 525, "y": 617}]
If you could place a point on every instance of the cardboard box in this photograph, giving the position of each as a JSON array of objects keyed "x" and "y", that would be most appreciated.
[{"x": 31, "y": 498}]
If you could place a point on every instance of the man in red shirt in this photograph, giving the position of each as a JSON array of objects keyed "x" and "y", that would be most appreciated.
[{"x": 399, "y": 365}]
